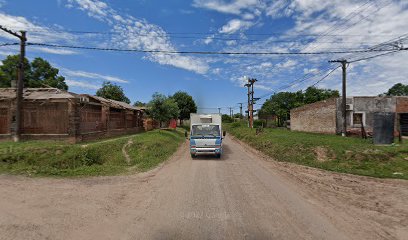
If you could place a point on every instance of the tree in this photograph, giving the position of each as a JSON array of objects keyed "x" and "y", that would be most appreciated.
[
  {"x": 398, "y": 89},
  {"x": 226, "y": 118},
  {"x": 281, "y": 103},
  {"x": 313, "y": 94},
  {"x": 112, "y": 91},
  {"x": 10, "y": 68},
  {"x": 162, "y": 108},
  {"x": 3, "y": 80},
  {"x": 43, "y": 75},
  {"x": 238, "y": 115},
  {"x": 139, "y": 104},
  {"x": 37, "y": 74},
  {"x": 185, "y": 103}
]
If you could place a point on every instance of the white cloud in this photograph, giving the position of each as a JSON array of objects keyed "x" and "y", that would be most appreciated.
[
  {"x": 232, "y": 7},
  {"x": 287, "y": 64},
  {"x": 81, "y": 84},
  {"x": 231, "y": 42},
  {"x": 55, "y": 51},
  {"x": 235, "y": 25},
  {"x": 139, "y": 34},
  {"x": 349, "y": 24},
  {"x": 248, "y": 16},
  {"x": 209, "y": 39},
  {"x": 36, "y": 33},
  {"x": 83, "y": 74}
]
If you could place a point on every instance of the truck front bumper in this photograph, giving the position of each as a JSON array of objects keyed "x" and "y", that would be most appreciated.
[{"x": 206, "y": 151}]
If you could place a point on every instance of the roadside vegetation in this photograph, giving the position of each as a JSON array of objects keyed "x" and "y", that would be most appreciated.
[
  {"x": 138, "y": 152},
  {"x": 330, "y": 152}
]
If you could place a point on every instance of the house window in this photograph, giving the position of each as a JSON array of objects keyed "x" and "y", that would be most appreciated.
[{"x": 358, "y": 118}]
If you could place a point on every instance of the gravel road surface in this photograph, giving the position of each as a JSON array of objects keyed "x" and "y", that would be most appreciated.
[{"x": 243, "y": 195}]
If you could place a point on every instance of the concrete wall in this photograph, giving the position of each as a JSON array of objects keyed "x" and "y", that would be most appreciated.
[
  {"x": 366, "y": 106},
  {"x": 317, "y": 117}
]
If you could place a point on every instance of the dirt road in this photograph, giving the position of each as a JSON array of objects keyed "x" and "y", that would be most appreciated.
[{"x": 241, "y": 196}]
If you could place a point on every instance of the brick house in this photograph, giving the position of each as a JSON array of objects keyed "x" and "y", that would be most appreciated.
[
  {"x": 325, "y": 116},
  {"x": 50, "y": 113}
]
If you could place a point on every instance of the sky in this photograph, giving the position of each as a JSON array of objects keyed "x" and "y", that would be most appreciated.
[{"x": 241, "y": 26}]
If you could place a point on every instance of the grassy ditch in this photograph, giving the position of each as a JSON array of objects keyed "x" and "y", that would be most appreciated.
[
  {"x": 52, "y": 158},
  {"x": 330, "y": 152}
]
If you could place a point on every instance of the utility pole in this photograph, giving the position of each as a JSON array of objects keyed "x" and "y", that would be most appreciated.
[
  {"x": 219, "y": 110},
  {"x": 240, "y": 110},
  {"x": 230, "y": 108},
  {"x": 344, "y": 64},
  {"x": 250, "y": 86},
  {"x": 20, "y": 83}
]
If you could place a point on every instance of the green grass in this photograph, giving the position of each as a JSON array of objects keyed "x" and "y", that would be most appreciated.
[
  {"x": 330, "y": 152},
  {"x": 53, "y": 158}
]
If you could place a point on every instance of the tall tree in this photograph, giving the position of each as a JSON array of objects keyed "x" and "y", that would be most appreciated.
[
  {"x": 313, "y": 94},
  {"x": 162, "y": 108},
  {"x": 10, "y": 69},
  {"x": 112, "y": 91},
  {"x": 398, "y": 89},
  {"x": 37, "y": 74},
  {"x": 281, "y": 103},
  {"x": 3, "y": 80},
  {"x": 185, "y": 103},
  {"x": 43, "y": 75},
  {"x": 139, "y": 104}
]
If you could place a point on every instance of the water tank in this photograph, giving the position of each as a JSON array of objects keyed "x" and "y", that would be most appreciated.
[{"x": 383, "y": 129}]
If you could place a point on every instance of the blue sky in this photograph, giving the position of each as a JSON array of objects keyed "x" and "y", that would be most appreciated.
[{"x": 211, "y": 25}]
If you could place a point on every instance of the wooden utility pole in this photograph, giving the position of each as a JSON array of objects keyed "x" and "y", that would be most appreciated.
[
  {"x": 344, "y": 64},
  {"x": 250, "y": 86},
  {"x": 240, "y": 110},
  {"x": 17, "y": 118}
]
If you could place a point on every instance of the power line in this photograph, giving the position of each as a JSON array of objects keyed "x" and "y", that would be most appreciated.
[
  {"x": 204, "y": 52},
  {"x": 323, "y": 78},
  {"x": 8, "y": 44},
  {"x": 378, "y": 55},
  {"x": 210, "y": 37},
  {"x": 47, "y": 30}
]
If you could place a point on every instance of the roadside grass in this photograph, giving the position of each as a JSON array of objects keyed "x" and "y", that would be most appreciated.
[
  {"x": 105, "y": 157},
  {"x": 330, "y": 152}
]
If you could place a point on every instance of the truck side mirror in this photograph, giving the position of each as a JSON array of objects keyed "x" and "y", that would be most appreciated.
[
  {"x": 185, "y": 134},
  {"x": 224, "y": 133}
]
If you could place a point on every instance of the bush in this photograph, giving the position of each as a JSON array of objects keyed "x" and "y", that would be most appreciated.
[
  {"x": 235, "y": 125},
  {"x": 259, "y": 123},
  {"x": 226, "y": 118}
]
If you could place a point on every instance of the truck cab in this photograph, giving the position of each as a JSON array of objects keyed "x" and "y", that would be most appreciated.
[{"x": 206, "y": 135}]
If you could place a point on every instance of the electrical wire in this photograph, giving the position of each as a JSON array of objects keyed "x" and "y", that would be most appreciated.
[
  {"x": 203, "y": 52},
  {"x": 8, "y": 44}
]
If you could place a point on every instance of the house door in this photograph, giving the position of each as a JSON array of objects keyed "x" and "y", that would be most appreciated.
[
  {"x": 404, "y": 124},
  {"x": 4, "y": 121}
]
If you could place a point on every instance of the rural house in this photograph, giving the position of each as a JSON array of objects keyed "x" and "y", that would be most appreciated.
[
  {"x": 49, "y": 113},
  {"x": 326, "y": 116}
]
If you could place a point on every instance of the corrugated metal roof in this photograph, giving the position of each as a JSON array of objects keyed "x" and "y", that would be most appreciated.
[
  {"x": 54, "y": 93},
  {"x": 111, "y": 103},
  {"x": 36, "y": 93}
]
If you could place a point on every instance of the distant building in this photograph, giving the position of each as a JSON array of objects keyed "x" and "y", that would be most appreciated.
[
  {"x": 326, "y": 116},
  {"x": 49, "y": 113}
]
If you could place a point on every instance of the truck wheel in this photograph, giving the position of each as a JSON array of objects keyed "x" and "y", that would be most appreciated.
[
  {"x": 193, "y": 156},
  {"x": 218, "y": 156}
]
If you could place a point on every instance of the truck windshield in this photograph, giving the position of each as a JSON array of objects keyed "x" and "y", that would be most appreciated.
[{"x": 205, "y": 130}]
